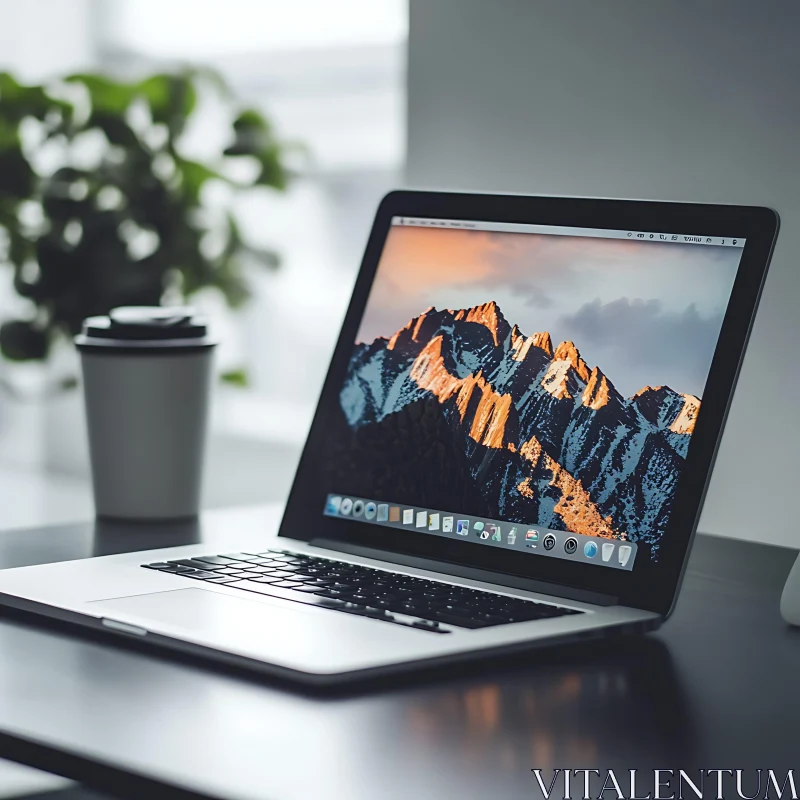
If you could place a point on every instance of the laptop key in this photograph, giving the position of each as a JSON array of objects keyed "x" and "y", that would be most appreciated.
[
  {"x": 366, "y": 611},
  {"x": 261, "y": 588},
  {"x": 331, "y": 593},
  {"x": 238, "y": 556},
  {"x": 191, "y": 563},
  {"x": 327, "y": 602},
  {"x": 220, "y": 561}
]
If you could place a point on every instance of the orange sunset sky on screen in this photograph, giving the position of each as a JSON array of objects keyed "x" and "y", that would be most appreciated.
[
  {"x": 648, "y": 311},
  {"x": 427, "y": 257}
]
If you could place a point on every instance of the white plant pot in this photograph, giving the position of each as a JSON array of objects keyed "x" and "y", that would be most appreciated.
[{"x": 42, "y": 428}]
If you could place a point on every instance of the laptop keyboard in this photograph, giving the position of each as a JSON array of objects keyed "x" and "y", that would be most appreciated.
[{"x": 356, "y": 589}]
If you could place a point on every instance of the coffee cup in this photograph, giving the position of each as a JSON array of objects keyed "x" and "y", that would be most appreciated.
[{"x": 146, "y": 382}]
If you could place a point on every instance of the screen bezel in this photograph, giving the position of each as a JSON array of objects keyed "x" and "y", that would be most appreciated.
[{"x": 651, "y": 586}]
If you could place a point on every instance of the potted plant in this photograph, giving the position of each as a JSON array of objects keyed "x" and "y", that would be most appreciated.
[{"x": 101, "y": 207}]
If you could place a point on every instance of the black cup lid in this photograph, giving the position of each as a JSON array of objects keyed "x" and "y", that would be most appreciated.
[
  {"x": 154, "y": 323},
  {"x": 149, "y": 327}
]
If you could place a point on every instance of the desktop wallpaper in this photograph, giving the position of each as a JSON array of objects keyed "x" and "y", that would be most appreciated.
[{"x": 539, "y": 379}]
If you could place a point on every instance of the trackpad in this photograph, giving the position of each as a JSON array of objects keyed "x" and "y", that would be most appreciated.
[{"x": 301, "y": 638}]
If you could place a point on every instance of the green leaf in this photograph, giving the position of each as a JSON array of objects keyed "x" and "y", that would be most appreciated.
[
  {"x": 115, "y": 128},
  {"x": 252, "y": 134},
  {"x": 9, "y": 134},
  {"x": 250, "y": 118},
  {"x": 273, "y": 172},
  {"x": 16, "y": 175},
  {"x": 18, "y": 101},
  {"x": 105, "y": 93},
  {"x": 10, "y": 89},
  {"x": 21, "y": 341},
  {"x": 172, "y": 100},
  {"x": 193, "y": 177},
  {"x": 156, "y": 91},
  {"x": 236, "y": 377}
]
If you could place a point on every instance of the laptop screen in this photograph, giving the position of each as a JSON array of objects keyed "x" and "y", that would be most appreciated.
[{"x": 528, "y": 387}]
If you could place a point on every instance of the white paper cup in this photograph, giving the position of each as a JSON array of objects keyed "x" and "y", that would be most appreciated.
[{"x": 146, "y": 382}]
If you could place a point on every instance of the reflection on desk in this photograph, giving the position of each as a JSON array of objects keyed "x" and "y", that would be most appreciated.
[{"x": 602, "y": 711}]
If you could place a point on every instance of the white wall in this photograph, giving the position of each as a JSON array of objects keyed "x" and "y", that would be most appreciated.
[
  {"x": 42, "y": 38},
  {"x": 663, "y": 99}
]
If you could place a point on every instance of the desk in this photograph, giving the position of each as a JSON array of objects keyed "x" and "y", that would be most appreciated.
[{"x": 715, "y": 688}]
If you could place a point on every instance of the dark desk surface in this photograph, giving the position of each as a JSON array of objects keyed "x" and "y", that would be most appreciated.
[{"x": 715, "y": 688}]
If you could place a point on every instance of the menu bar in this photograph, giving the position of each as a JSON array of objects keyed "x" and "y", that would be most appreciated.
[
  {"x": 553, "y": 230},
  {"x": 614, "y": 553}
]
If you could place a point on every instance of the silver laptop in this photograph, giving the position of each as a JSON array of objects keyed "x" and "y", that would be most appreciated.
[{"x": 511, "y": 447}]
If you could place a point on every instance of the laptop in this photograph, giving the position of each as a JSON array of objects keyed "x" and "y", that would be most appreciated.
[{"x": 511, "y": 448}]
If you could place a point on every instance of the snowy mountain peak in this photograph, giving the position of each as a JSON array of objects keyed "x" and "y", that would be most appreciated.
[
  {"x": 480, "y": 407},
  {"x": 484, "y": 410},
  {"x": 522, "y": 346},
  {"x": 599, "y": 391},
  {"x": 430, "y": 373},
  {"x": 543, "y": 341},
  {"x": 556, "y": 380},
  {"x": 667, "y": 409},
  {"x": 488, "y": 315},
  {"x": 686, "y": 419},
  {"x": 567, "y": 351},
  {"x": 567, "y": 375},
  {"x": 419, "y": 329}
]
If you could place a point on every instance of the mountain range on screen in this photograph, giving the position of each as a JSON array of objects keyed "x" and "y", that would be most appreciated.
[{"x": 461, "y": 410}]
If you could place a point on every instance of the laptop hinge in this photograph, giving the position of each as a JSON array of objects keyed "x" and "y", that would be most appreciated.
[{"x": 473, "y": 573}]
